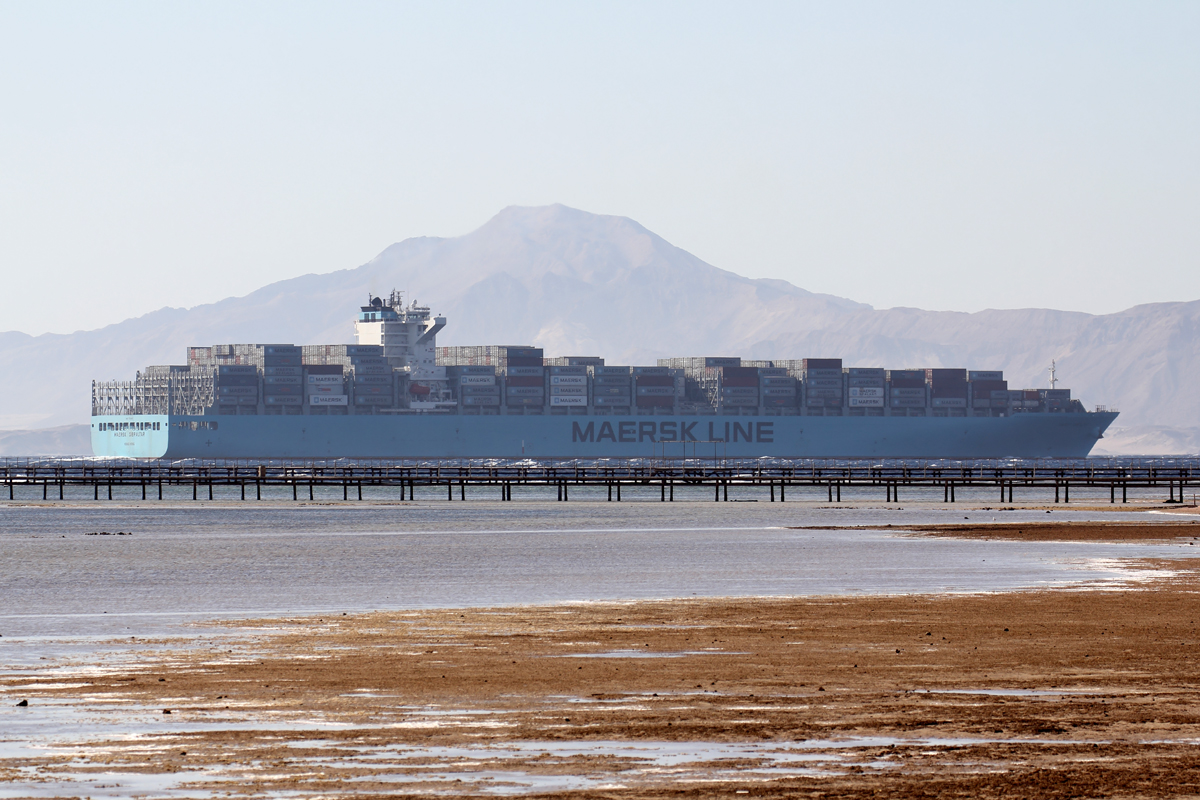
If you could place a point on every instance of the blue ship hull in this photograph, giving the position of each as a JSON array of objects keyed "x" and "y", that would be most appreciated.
[{"x": 1032, "y": 435}]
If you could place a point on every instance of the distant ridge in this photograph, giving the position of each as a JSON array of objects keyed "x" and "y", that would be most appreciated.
[{"x": 581, "y": 283}]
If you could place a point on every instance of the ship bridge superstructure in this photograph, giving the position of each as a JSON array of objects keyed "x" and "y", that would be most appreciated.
[{"x": 408, "y": 335}]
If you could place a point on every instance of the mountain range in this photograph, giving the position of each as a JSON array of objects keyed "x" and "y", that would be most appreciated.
[{"x": 577, "y": 283}]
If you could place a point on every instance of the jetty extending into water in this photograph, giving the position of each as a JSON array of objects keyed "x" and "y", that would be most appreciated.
[{"x": 455, "y": 479}]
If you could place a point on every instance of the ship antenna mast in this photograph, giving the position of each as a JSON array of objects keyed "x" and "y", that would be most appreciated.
[{"x": 1053, "y": 376}]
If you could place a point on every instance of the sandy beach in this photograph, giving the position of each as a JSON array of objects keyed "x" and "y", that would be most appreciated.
[{"x": 1061, "y": 693}]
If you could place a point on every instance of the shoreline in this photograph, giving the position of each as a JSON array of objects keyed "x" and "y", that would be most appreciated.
[{"x": 1037, "y": 692}]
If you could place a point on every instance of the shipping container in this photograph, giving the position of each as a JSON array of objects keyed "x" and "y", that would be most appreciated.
[
  {"x": 610, "y": 391},
  {"x": 862, "y": 392},
  {"x": 520, "y": 361},
  {"x": 655, "y": 391},
  {"x": 481, "y": 400},
  {"x": 611, "y": 401},
  {"x": 324, "y": 369},
  {"x": 866, "y": 402},
  {"x": 480, "y": 391},
  {"x": 576, "y": 391},
  {"x": 655, "y": 401},
  {"x": 525, "y": 391},
  {"x": 327, "y": 400},
  {"x": 525, "y": 381},
  {"x": 822, "y": 363},
  {"x": 985, "y": 375},
  {"x": 567, "y": 370},
  {"x": 568, "y": 380},
  {"x": 949, "y": 402},
  {"x": 608, "y": 372},
  {"x": 476, "y": 380},
  {"x": 568, "y": 400},
  {"x": 718, "y": 361},
  {"x": 525, "y": 372},
  {"x": 235, "y": 390}
]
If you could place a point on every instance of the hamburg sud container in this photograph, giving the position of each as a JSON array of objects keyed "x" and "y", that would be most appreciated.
[
  {"x": 568, "y": 385},
  {"x": 865, "y": 387},
  {"x": 611, "y": 386},
  {"x": 906, "y": 388},
  {"x": 654, "y": 387},
  {"x": 822, "y": 382},
  {"x": 947, "y": 387}
]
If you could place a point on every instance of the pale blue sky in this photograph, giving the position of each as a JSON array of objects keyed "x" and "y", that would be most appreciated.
[{"x": 942, "y": 155}]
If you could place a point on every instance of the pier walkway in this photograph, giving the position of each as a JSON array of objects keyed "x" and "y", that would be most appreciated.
[{"x": 1026, "y": 481}]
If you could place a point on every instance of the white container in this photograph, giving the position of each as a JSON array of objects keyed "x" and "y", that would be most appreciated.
[
  {"x": 477, "y": 380},
  {"x": 558, "y": 400},
  {"x": 572, "y": 391},
  {"x": 327, "y": 399},
  {"x": 866, "y": 402},
  {"x": 866, "y": 392},
  {"x": 568, "y": 380},
  {"x": 325, "y": 380}
]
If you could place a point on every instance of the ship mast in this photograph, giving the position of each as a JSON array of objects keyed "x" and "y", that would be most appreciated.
[{"x": 1053, "y": 375}]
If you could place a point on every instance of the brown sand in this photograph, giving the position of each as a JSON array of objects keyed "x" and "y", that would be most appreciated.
[
  {"x": 1047, "y": 531},
  {"x": 1116, "y": 713}
]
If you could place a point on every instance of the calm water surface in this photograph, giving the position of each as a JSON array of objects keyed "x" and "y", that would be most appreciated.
[{"x": 183, "y": 563}]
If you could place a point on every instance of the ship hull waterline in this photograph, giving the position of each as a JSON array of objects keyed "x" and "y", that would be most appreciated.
[{"x": 433, "y": 436}]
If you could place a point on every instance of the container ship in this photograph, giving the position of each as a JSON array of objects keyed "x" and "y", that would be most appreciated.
[{"x": 396, "y": 394}]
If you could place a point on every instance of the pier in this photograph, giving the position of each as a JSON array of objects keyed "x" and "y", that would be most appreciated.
[{"x": 460, "y": 479}]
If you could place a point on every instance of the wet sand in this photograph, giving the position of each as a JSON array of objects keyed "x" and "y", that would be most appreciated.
[
  {"x": 1066, "y": 693},
  {"x": 1062, "y": 531}
]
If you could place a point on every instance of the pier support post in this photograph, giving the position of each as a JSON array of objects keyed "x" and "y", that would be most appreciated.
[
  {"x": 1001, "y": 491},
  {"x": 839, "y": 491},
  {"x": 346, "y": 491},
  {"x": 717, "y": 492},
  {"x": 672, "y": 499},
  {"x": 61, "y": 487},
  {"x": 294, "y": 497},
  {"x": 951, "y": 491},
  {"x": 829, "y": 486},
  {"x": 450, "y": 490},
  {"x": 566, "y": 493},
  {"x": 110, "y": 488},
  {"x": 772, "y": 491},
  {"x": 1124, "y": 495},
  {"x": 360, "y": 490},
  {"x": 1010, "y": 488},
  {"x": 210, "y": 485},
  {"x": 257, "y": 489},
  {"x": 618, "y": 491},
  {"x": 143, "y": 490},
  {"x": 310, "y": 490},
  {"x": 46, "y": 490},
  {"x": 1067, "y": 492},
  {"x": 462, "y": 491},
  {"x": 945, "y": 493},
  {"x": 560, "y": 488},
  {"x": 243, "y": 490},
  {"x": 781, "y": 485},
  {"x": 95, "y": 492},
  {"x": 1056, "y": 491},
  {"x": 726, "y": 484},
  {"x": 160, "y": 488},
  {"x": 10, "y": 490},
  {"x": 610, "y": 491},
  {"x": 1112, "y": 493}
]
